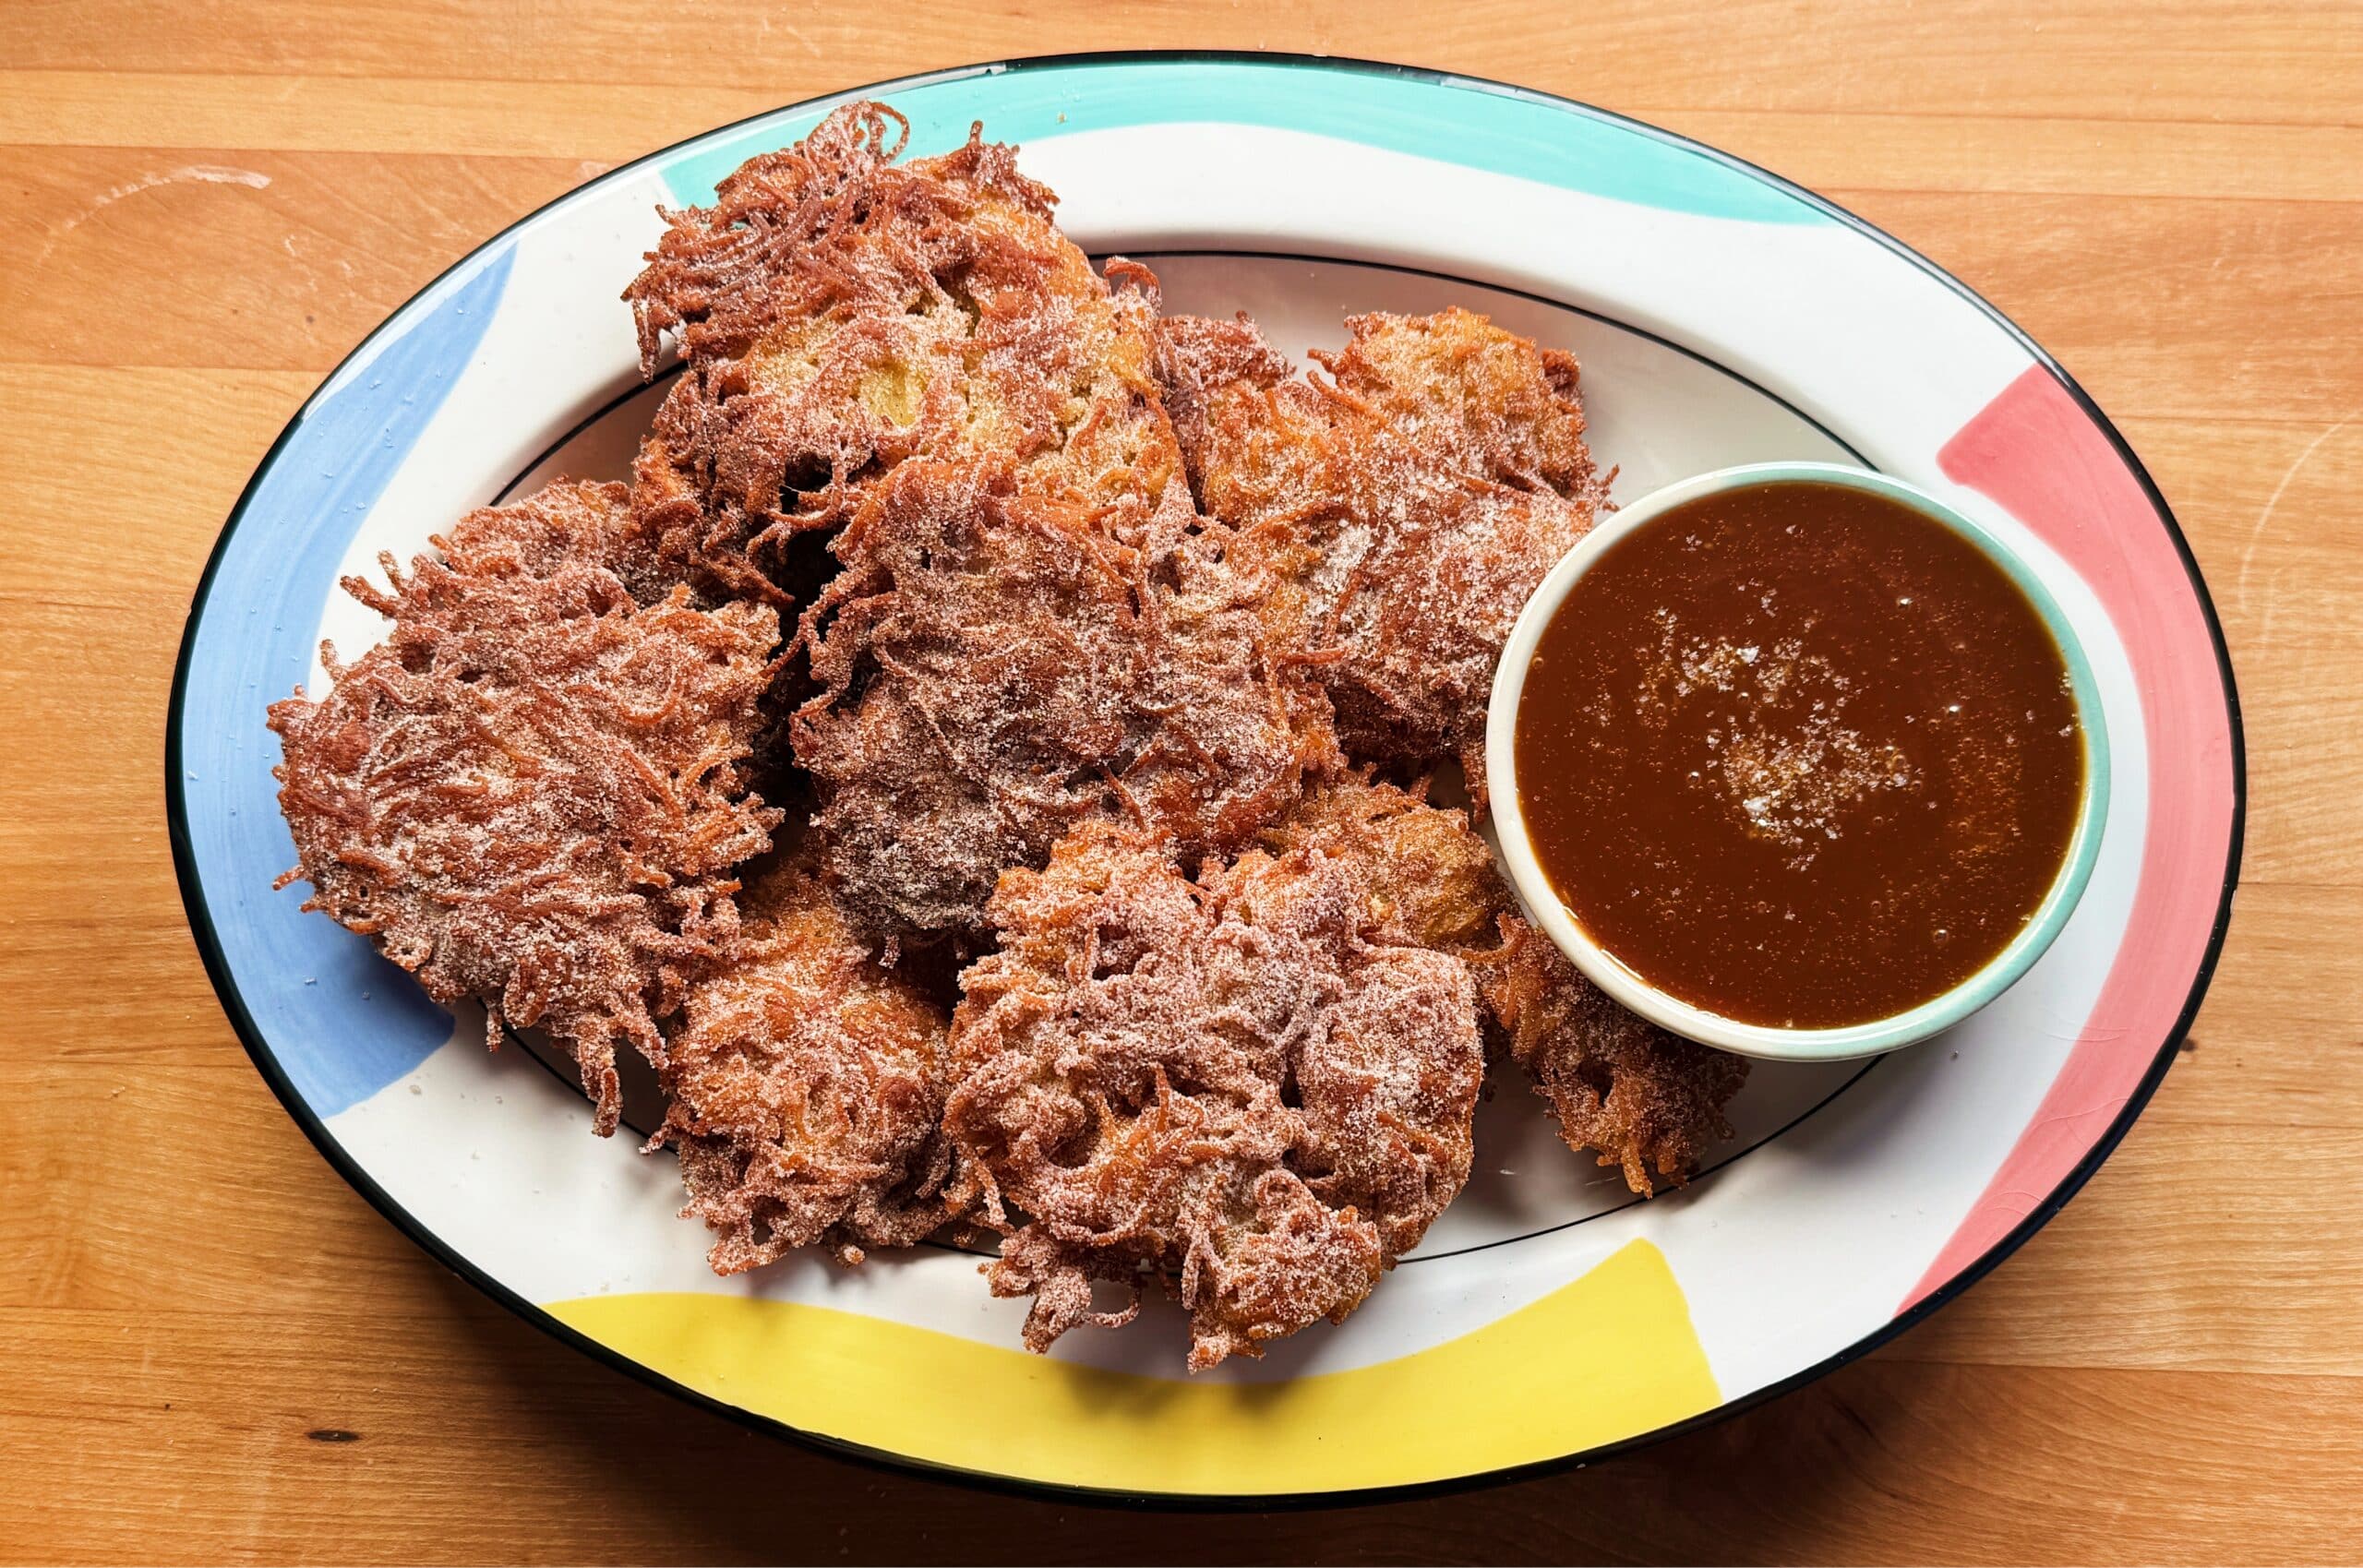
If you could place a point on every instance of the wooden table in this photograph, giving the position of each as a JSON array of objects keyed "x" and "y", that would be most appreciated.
[{"x": 216, "y": 1351}]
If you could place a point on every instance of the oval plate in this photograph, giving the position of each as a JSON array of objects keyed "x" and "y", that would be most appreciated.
[{"x": 1721, "y": 316}]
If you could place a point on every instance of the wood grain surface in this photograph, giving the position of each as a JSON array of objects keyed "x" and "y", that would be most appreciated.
[{"x": 215, "y": 1351}]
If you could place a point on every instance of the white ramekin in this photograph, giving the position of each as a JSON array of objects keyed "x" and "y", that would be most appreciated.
[{"x": 1545, "y": 908}]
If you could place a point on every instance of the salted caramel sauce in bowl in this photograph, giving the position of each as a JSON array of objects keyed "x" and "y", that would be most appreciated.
[{"x": 1796, "y": 760}]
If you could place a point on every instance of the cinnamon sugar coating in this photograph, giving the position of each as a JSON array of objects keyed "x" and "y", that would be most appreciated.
[
  {"x": 1646, "y": 1101},
  {"x": 530, "y": 791},
  {"x": 1412, "y": 499},
  {"x": 840, "y": 313},
  {"x": 1239, "y": 1087},
  {"x": 806, "y": 1087}
]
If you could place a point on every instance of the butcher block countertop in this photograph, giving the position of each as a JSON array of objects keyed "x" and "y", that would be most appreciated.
[{"x": 220, "y": 1352}]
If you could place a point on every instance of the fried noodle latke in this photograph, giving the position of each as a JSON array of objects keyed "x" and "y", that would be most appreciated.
[
  {"x": 998, "y": 665},
  {"x": 1239, "y": 1087},
  {"x": 530, "y": 792},
  {"x": 807, "y": 1090},
  {"x": 1646, "y": 1101},
  {"x": 1412, "y": 499},
  {"x": 840, "y": 313}
]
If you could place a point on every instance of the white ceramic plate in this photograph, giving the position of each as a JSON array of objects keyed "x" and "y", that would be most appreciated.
[{"x": 1721, "y": 316}]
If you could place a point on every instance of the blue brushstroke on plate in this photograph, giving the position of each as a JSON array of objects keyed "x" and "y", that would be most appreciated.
[{"x": 342, "y": 1022}]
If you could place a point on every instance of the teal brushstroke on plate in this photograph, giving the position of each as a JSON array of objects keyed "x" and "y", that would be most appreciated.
[{"x": 1478, "y": 126}]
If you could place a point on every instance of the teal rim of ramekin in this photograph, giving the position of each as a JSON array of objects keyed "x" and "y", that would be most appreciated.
[{"x": 1546, "y": 909}]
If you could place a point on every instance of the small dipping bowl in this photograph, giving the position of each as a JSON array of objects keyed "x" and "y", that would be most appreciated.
[{"x": 1545, "y": 908}]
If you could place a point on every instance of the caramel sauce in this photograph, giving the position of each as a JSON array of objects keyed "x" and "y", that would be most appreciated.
[{"x": 1799, "y": 755}]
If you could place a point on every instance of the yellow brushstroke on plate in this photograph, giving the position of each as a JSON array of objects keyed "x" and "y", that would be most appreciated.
[{"x": 1610, "y": 1355}]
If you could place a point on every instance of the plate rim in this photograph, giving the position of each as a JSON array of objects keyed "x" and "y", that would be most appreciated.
[{"x": 258, "y": 1050}]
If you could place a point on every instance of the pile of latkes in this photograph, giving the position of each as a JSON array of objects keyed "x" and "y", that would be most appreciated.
[{"x": 1106, "y": 656}]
